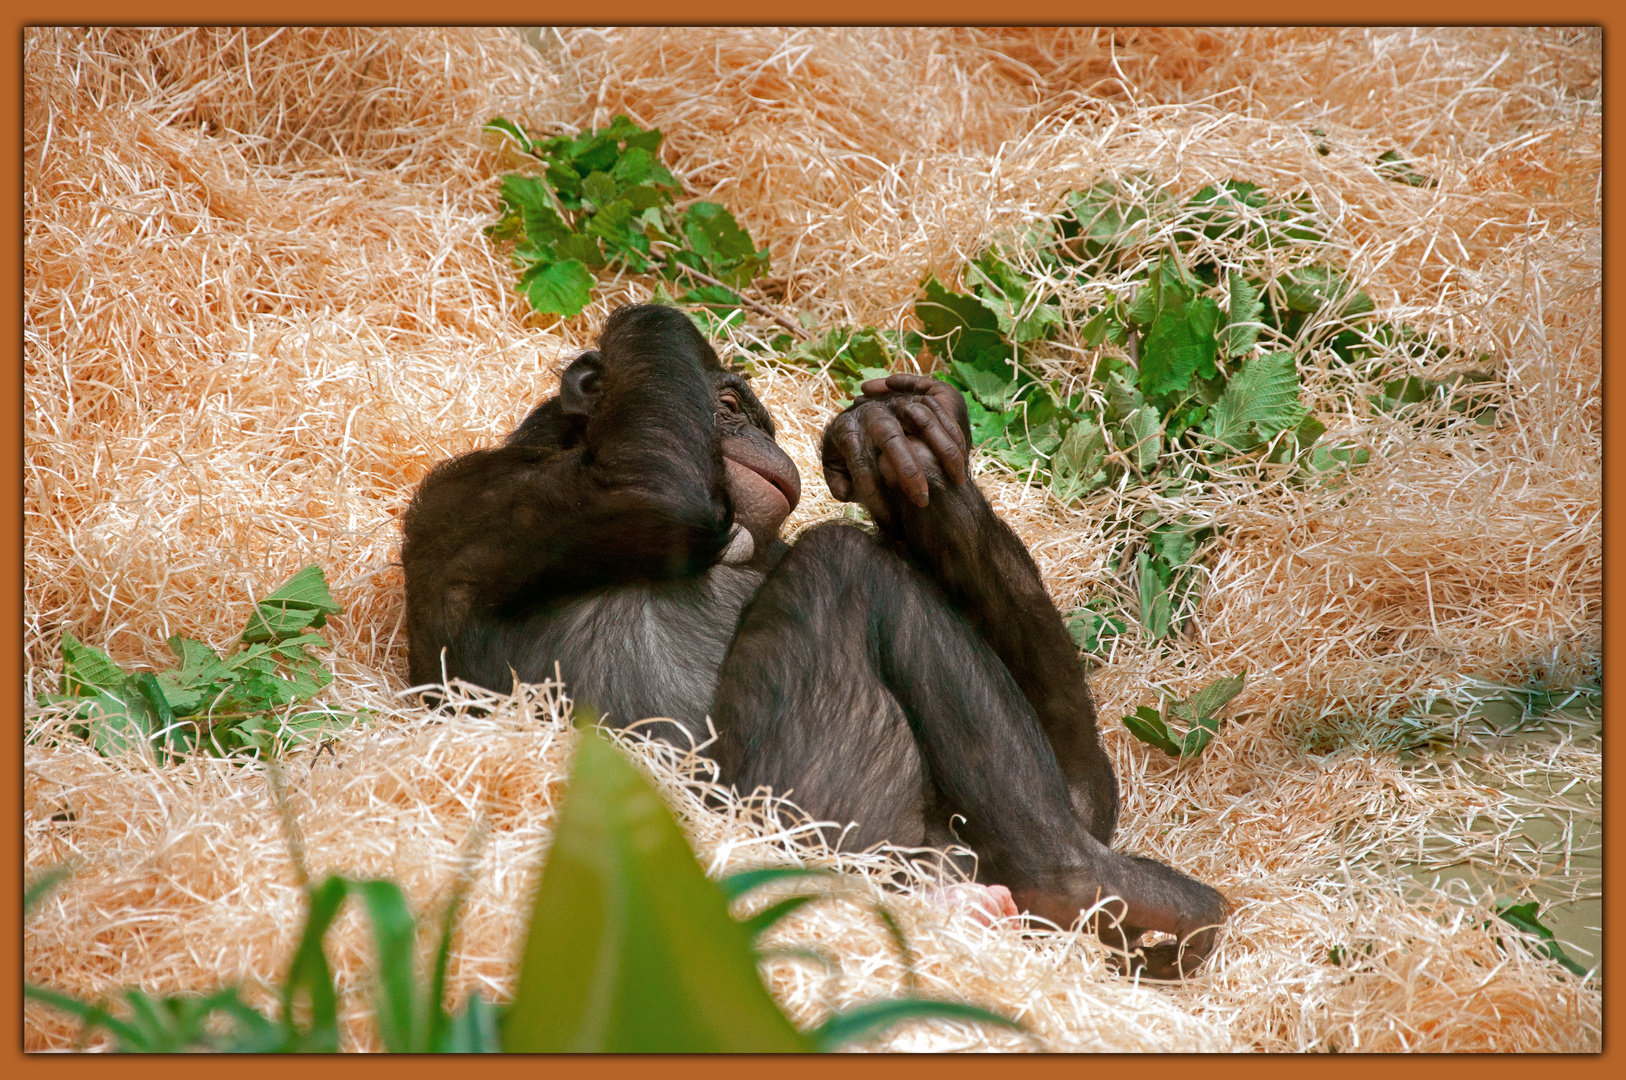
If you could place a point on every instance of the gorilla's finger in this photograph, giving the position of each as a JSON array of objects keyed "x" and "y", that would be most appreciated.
[
  {"x": 854, "y": 447},
  {"x": 928, "y": 425},
  {"x": 889, "y": 437}
]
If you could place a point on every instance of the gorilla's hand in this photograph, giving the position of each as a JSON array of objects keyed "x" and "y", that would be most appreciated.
[{"x": 901, "y": 429}]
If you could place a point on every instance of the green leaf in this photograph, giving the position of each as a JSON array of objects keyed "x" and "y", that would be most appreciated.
[
  {"x": 1179, "y": 344},
  {"x": 1310, "y": 288},
  {"x": 1260, "y": 401},
  {"x": 1093, "y": 630},
  {"x": 1008, "y": 293},
  {"x": 1524, "y": 917},
  {"x": 741, "y": 882},
  {"x": 725, "y": 249},
  {"x": 475, "y": 1030},
  {"x": 873, "y": 1018},
  {"x": 630, "y": 947},
  {"x": 987, "y": 427},
  {"x": 303, "y": 600},
  {"x": 1197, "y": 739},
  {"x": 578, "y": 246},
  {"x": 90, "y": 1016},
  {"x": 1146, "y": 724},
  {"x": 507, "y": 127},
  {"x": 599, "y": 189},
  {"x": 561, "y": 289},
  {"x": 396, "y": 1008},
  {"x": 87, "y": 670},
  {"x": 1324, "y": 458},
  {"x": 1076, "y": 468},
  {"x": 995, "y": 391},
  {"x": 1155, "y": 602},
  {"x": 1393, "y": 165},
  {"x": 1105, "y": 218},
  {"x": 1211, "y": 698},
  {"x": 1242, "y": 326},
  {"x": 1143, "y": 437},
  {"x": 310, "y": 976},
  {"x": 968, "y": 330}
]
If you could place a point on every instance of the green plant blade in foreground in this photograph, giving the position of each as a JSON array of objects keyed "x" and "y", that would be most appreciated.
[
  {"x": 631, "y": 947},
  {"x": 872, "y": 1019}
]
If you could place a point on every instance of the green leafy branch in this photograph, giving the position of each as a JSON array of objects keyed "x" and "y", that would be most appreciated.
[
  {"x": 603, "y": 200},
  {"x": 239, "y": 701},
  {"x": 1199, "y": 713}
]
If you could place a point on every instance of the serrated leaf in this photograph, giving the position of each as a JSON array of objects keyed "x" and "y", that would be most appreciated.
[
  {"x": 1338, "y": 456},
  {"x": 1242, "y": 326},
  {"x": 1102, "y": 219},
  {"x": 1179, "y": 344},
  {"x": 969, "y": 331},
  {"x": 561, "y": 289},
  {"x": 1196, "y": 740},
  {"x": 87, "y": 671},
  {"x": 1260, "y": 401},
  {"x": 725, "y": 249},
  {"x": 1143, "y": 437},
  {"x": 1212, "y": 698},
  {"x": 1076, "y": 466},
  {"x": 644, "y": 140},
  {"x": 994, "y": 391},
  {"x": 598, "y": 188},
  {"x": 987, "y": 426},
  {"x": 1008, "y": 293},
  {"x": 273, "y": 622},
  {"x": 1155, "y": 609}
]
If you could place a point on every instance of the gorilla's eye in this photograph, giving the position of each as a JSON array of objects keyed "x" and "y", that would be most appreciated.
[{"x": 729, "y": 400}]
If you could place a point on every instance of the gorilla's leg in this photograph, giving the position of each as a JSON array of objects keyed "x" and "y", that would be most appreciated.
[{"x": 855, "y": 686}]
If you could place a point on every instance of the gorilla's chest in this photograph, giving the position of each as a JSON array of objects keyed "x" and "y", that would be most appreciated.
[{"x": 645, "y": 650}]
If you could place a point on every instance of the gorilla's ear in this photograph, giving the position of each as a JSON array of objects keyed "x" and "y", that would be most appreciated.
[{"x": 582, "y": 384}]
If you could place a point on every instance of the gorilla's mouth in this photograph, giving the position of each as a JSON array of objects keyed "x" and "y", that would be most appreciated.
[{"x": 774, "y": 475}]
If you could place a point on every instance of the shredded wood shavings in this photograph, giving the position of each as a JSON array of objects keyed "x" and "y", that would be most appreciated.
[{"x": 259, "y": 306}]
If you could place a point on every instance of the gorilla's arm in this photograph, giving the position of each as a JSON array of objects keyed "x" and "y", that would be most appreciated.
[
  {"x": 977, "y": 560},
  {"x": 619, "y": 478}
]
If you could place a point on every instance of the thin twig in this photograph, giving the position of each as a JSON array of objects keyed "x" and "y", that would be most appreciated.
[{"x": 760, "y": 309}]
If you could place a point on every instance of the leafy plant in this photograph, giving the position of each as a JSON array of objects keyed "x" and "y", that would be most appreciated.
[
  {"x": 1199, "y": 713},
  {"x": 1524, "y": 917},
  {"x": 604, "y": 200},
  {"x": 630, "y": 948},
  {"x": 239, "y": 701}
]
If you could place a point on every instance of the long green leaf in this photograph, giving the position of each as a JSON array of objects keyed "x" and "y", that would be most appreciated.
[
  {"x": 90, "y": 1016},
  {"x": 740, "y": 882},
  {"x": 630, "y": 947},
  {"x": 1213, "y": 697},
  {"x": 395, "y": 937},
  {"x": 309, "y": 973},
  {"x": 871, "y": 1019},
  {"x": 475, "y": 1030},
  {"x": 1147, "y": 725}
]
